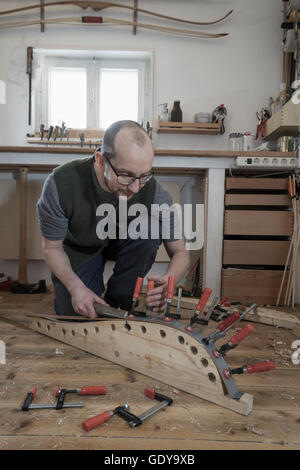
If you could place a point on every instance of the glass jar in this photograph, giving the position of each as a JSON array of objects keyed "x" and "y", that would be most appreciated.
[{"x": 236, "y": 142}]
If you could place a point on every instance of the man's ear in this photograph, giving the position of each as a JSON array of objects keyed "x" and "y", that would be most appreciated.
[{"x": 100, "y": 160}]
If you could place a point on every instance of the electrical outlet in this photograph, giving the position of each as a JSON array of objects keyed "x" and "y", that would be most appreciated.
[{"x": 267, "y": 162}]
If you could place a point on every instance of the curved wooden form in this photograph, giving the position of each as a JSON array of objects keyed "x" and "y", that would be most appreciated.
[{"x": 163, "y": 351}]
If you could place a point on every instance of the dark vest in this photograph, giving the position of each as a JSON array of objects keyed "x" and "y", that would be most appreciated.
[{"x": 79, "y": 195}]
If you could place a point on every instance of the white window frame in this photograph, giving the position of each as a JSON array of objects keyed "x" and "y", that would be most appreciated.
[{"x": 93, "y": 65}]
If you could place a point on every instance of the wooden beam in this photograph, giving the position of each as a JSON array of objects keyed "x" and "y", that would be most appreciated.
[
  {"x": 135, "y": 15},
  {"x": 42, "y": 15}
]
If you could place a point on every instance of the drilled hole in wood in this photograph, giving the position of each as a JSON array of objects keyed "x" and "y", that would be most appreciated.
[
  {"x": 211, "y": 377},
  {"x": 204, "y": 362},
  {"x": 48, "y": 327},
  {"x": 162, "y": 333},
  {"x": 144, "y": 329},
  {"x": 85, "y": 331},
  {"x": 194, "y": 350},
  {"x": 63, "y": 332},
  {"x": 127, "y": 326},
  {"x": 73, "y": 333},
  {"x": 96, "y": 329},
  {"x": 113, "y": 327},
  {"x": 38, "y": 324},
  {"x": 117, "y": 354},
  {"x": 181, "y": 339}
]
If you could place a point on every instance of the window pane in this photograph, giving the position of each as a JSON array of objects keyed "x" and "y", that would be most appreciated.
[
  {"x": 68, "y": 97},
  {"x": 119, "y": 89}
]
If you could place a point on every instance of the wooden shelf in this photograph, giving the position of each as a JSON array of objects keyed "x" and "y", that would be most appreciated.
[
  {"x": 285, "y": 122},
  {"x": 188, "y": 128}
]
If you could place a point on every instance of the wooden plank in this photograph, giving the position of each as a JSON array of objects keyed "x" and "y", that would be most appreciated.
[
  {"x": 256, "y": 183},
  {"x": 256, "y": 252},
  {"x": 257, "y": 200},
  {"x": 273, "y": 223},
  {"x": 274, "y": 317}
]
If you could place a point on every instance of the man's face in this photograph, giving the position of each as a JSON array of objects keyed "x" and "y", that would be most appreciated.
[{"x": 129, "y": 159}]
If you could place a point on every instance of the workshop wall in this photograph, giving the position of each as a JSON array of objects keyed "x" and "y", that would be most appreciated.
[{"x": 242, "y": 70}]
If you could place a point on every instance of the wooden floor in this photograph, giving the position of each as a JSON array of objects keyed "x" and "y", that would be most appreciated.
[{"x": 190, "y": 423}]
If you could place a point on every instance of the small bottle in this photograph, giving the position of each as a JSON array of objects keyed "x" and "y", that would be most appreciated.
[
  {"x": 164, "y": 114},
  {"x": 176, "y": 113}
]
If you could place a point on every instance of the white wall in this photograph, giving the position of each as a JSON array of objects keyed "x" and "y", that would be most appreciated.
[{"x": 242, "y": 70}]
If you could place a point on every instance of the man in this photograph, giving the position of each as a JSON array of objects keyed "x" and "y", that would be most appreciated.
[{"x": 68, "y": 220}]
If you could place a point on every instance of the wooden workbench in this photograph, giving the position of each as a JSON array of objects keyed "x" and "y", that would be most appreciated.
[{"x": 190, "y": 423}]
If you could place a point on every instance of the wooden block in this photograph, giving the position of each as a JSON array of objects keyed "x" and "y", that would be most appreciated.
[
  {"x": 273, "y": 223},
  {"x": 251, "y": 285},
  {"x": 256, "y": 252},
  {"x": 257, "y": 200},
  {"x": 257, "y": 183}
]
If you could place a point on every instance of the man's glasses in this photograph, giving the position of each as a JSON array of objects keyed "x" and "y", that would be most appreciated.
[{"x": 126, "y": 180}]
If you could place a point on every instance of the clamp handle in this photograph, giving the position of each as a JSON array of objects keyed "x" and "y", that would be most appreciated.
[
  {"x": 93, "y": 390},
  {"x": 229, "y": 321},
  {"x": 240, "y": 335},
  {"x": 203, "y": 299},
  {"x": 138, "y": 287},
  {"x": 91, "y": 423},
  {"x": 150, "y": 285},
  {"x": 171, "y": 287},
  {"x": 261, "y": 367}
]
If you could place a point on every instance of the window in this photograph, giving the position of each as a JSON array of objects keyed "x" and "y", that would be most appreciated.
[{"x": 92, "y": 92}]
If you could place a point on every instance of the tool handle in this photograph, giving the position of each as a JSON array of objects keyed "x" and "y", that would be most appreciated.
[
  {"x": 93, "y": 390},
  {"x": 261, "y": 367},
  {"x": 138, "y": 287},
  {"x": 91, "y": 423},
  {"x": 222, "y": 301},
  {"x": 240, "y": 335},
  {"x": 171, "y": 287},
  {"x": 229, "y": 321},
  {"x": 150, "y": 393},
  {"x": 150, "y": 285},
  {"x": 203, "y": 299}
]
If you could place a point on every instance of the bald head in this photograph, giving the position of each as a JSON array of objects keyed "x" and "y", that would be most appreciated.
[{"x": 122, "y": 133}]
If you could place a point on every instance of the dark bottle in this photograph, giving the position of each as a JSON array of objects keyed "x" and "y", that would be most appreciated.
[{"x": 176, "y": 113}]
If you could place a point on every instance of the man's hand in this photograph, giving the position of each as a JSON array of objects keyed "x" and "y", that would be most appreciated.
[
  {"x": 83, "y": 301},
  {"x": 156, "y": 298}
]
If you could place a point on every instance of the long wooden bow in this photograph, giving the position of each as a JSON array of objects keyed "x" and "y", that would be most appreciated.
[
  {"x": 99, "y": 20},
  {"x": 98, "y": 6}
]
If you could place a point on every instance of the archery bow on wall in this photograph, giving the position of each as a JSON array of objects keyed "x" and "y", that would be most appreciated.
[{"x": 99, "y": 6}]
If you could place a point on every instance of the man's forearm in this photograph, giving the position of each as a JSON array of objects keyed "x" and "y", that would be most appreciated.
[
  {"x": 59, "y": 263},
  {"x": 178, "y": 265}
]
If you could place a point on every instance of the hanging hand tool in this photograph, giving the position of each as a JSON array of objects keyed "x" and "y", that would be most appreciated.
[
  {"x": 81, "y": 137},
  {"x": 149, "y": 287},
  {"x": 250, "y": 369},
  {"x": 28, "y": 405},
  {"x": 50, "y": 131},
  {"x": 199, "y": 308},
  {"x": 135, "y": 297},
  {"x": 42, "y": 131},
  {"x": 236, "y": 339},
  {"x": 29, "y": 73},
  {"x": 56, "y": 132},
  {"x": 169, "y": 297}
]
